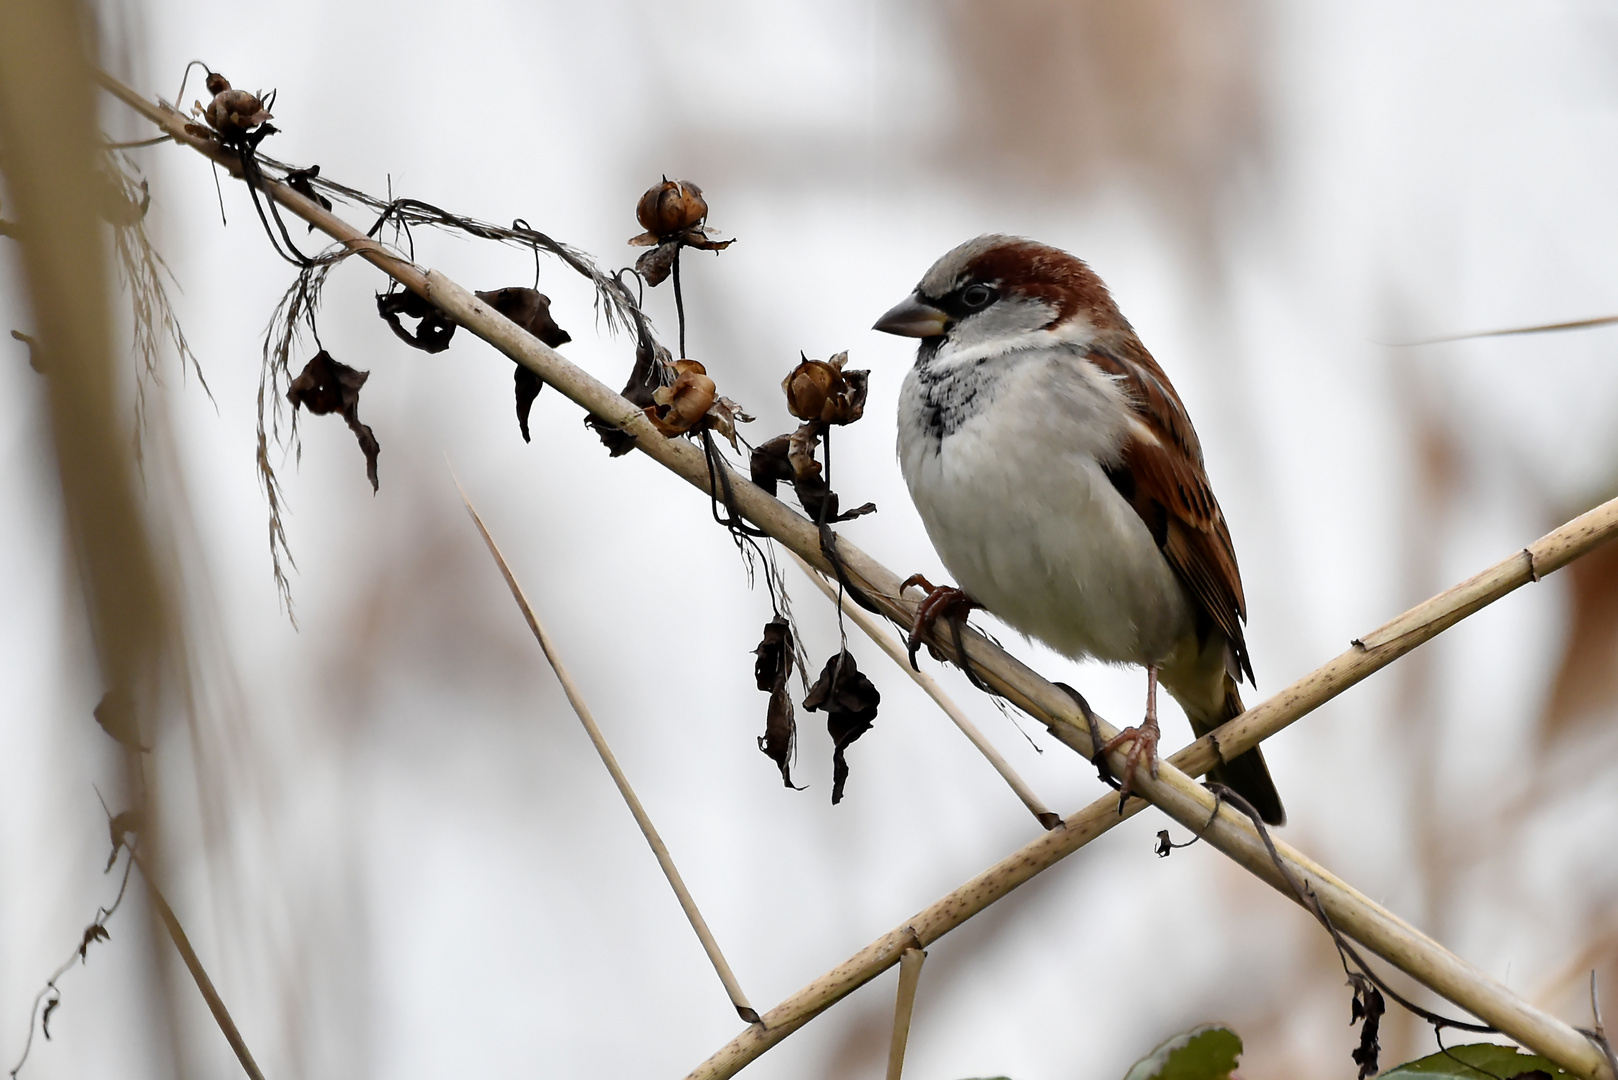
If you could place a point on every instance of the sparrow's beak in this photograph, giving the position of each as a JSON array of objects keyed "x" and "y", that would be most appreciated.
[{"x": 913, "y": 317}]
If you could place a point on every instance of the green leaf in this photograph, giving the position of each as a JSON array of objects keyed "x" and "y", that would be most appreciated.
[
  {"x": 1206, "y": 1052},
  {"x": 1478, "y": 1061}
]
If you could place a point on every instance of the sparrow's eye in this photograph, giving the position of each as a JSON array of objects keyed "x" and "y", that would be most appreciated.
[{"x": 977, "y": 296}]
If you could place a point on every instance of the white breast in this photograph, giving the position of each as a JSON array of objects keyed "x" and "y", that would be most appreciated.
[{"x": 1022, "y": 514}]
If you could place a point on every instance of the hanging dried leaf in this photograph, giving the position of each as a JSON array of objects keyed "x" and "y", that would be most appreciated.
[
  {"x": 434, "y": 328},
  {"x": 771, "y": 670},
  {"x": 530, "y": 310},
  {"x": 116, "y": 715},
  {"x": 50, "y": 1007},
  {"x": 656, "y": 265},
  {"x": 651, "y": 361},
  {"x": 822, "y": 390},
  {"x": 92, "y": 933},
  {"x": 301, "y": 181},
  {"x": 1367, "y": 1011},
  {"x": 130, "y": 821},
  {"x": 770, "y": 465},
  {"x": 326, "y": 386},
  {"x": 116, "y": 206},
  {"x": 849, "y": 701}
]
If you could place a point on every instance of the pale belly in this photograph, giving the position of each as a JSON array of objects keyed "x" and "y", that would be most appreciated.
[{"x": 1038, "y": 535}]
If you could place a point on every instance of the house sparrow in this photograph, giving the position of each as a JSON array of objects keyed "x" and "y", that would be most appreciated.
[{"x": 1060, "y": 479}]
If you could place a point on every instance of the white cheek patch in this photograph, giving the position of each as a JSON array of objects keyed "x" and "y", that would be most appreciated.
[{"x": 1010, "y": 326}]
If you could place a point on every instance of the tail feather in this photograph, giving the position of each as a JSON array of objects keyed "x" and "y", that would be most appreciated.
[{"x": 1245, "y": 774}]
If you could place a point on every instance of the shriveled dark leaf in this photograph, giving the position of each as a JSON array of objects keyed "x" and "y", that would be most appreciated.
[
  {"x": 849, "y": 701},
  {"x": 325, "y": 386},
  {"x": 769, "y": 464},
  {"x": 121, "y": 825},
  {"x": 433, "y": 328},
  {"x": 93, "y": 933},
  {"x": 33, "y": 350},
  {"x": 116, "y": 715},
  {"x": 644, "y": 381},
  {"x": 45, "y": 1017},
  {"x": 299, "y": 180},
  {"x": 657, "y": 264},
  {"x": 530, "y": 310},
  {"x": 1367, "y": 1011},
  {"x": 772, "y": 667}
]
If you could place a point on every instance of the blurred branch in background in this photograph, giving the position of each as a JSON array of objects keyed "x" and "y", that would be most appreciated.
[{"x": 52, "y": 161}]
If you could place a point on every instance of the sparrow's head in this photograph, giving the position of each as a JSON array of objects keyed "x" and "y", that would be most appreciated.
[{"x": 999, "y": 293}]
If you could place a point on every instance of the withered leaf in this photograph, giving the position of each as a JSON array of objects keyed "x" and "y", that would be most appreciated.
[
  {"x": 299, "y": 180},
  {"x": 530, "y": 310},
  {"x": 116, "y": 715},
  {"x": 326, "y": 385},
  {"x": 433, "y": 328},
  {"x": 771, "y": 670},
  {"x": 92, "y": 933},
  {"x": 33, "y": 350},
  {"x": 849, "y": 701},
  {"x": 121, "y": 825},
  {"x": 656, "y": 265},
  {"x": 1367, "y": 1010},
  {"x": 644, "y": 381},
  {"x": 770, "y": 465},
  {"x": 50, "y": 1007}
]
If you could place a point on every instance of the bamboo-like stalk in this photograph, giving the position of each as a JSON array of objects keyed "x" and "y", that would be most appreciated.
[
  {"x": 889, "y": 644},
  {"x": 904, "y": 1005},
  {"x": 216, "y": 1004},
  {"x": 575, "y": 698},
  {"x": 1172, "y": 790}
]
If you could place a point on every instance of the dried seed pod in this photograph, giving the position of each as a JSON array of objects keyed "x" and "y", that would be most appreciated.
[
  {"x": 822, "y": 390},
  {"x": 670, "y": 208},
  {"x": 676, "y": 409},
  {"x": 232, "y": 112}
]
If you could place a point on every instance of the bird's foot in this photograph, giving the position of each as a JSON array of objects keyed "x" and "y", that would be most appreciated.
[
  {"x": 1142, "y": 744},
  {"x": 941, "y": 602}
]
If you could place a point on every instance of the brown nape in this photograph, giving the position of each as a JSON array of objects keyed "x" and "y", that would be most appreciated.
[{"x": 1052, "y": 275}]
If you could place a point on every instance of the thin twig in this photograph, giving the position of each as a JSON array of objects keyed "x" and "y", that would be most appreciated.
[
  {"x": 1172, "y": 790},
  {"x": 896, "y": 651},
  {"x": 909, "y": 975},
  {"x": 1543, "y": 328},
  {"x": 576, "y": 698},
  {"x": 216, "y": 1005}
]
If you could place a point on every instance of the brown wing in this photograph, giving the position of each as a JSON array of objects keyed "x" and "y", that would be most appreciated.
[{"x": 1163, "y": 477}]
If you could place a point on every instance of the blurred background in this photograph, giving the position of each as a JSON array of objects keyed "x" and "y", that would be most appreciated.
[{"x": 385, "y": 831}]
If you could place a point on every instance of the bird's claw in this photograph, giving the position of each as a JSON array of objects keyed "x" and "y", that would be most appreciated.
[
  {"x": 941, "y": 601},
  {"x": 1142, "y": 743}
]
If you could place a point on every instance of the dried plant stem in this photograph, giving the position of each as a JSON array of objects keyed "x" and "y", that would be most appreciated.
[
  {"x": 216, "y": 1005},
  {"x": 909, "y": 975},
  {"x": 1172, "y": 789},
  {"x": 576, "y": 698},
  {"x": 889, "y": 644}
]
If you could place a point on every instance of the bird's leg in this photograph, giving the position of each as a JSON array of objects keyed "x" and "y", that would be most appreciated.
[
  {"x": 941, "y": 601},
  {"x": 1142, "y": 740}
]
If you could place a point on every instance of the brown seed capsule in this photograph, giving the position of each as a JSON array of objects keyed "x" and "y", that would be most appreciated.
[
  {"x": 233, "y": 112},
  {"x": 683, "y": 404},
  {"x": 671, "y": 207},
  {"x": 823, "y": 390}
]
